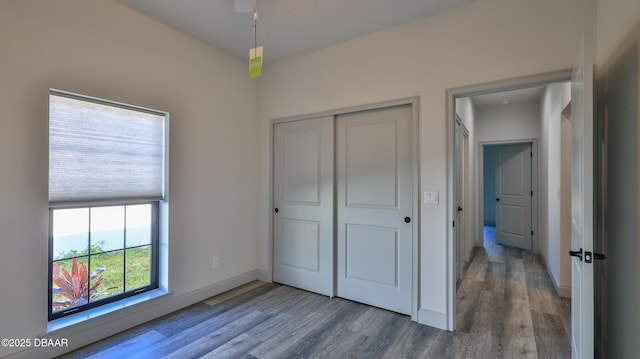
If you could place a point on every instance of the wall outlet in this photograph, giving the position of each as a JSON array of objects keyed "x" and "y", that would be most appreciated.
[{"x": 215, "y": 263}]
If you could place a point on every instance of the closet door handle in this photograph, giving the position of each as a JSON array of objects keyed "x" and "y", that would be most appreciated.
[{"x": 407, "y": 219}]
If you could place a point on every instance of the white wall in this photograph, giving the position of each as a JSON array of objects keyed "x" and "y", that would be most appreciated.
[
  {"x": 482, "y": 41},
  {"x": 554, "y": 99},
  {"x": 514, "y": 121},
  {"x": 101, "y": 48}
]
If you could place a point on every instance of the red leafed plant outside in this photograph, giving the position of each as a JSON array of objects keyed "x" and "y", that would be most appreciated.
[{"x": 75, "y": 288}]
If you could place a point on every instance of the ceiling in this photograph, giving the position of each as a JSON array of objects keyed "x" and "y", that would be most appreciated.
[
  {"x": 286, "y": 28},
  {"x": 514, "y": 96}
]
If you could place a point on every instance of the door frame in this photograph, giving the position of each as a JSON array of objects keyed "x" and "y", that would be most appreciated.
[
  {"x": 415, "y": 176},
  {"x": 451, "y": 95},
  {"x": 534, "y": 187}
]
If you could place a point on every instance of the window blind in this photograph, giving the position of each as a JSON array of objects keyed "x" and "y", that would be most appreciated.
[{"x": 103, "y": 151}]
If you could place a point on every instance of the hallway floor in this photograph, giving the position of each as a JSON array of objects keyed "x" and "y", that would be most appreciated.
[{"x": 507, "y": 298}]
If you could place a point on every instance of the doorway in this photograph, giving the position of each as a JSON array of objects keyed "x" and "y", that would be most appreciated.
[
  {"x": 529, "y": 132},
  {"x": 508, "y": 193}
]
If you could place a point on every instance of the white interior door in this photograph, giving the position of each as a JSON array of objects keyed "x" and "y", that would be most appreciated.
[
  {"x": 458, "y": 229},
  {"x": 582, "y": 333},
  {"x": 513, "y": 195},
  {"x": 466, "y": 212},
  {"x": 303, "y": 199},
  {"x": 374, "y": 208}
]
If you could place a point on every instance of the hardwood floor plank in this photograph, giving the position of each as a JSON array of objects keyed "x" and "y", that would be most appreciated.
[
  {"x": 193, "y": 315},
  {"x": 364, "y": 320},
  {"x": 476, "y": 271},
  {"x": 486, "y": 333},
  {"x": 540, "y": 288},
  {"x": 276, "y": 344},
  {"x": 449, "y": 345},
  {"x": 513, "y": 252},
  {"x": 137, "y": 343},
  {"x": 109, "y": 343},
  {"x": 563, "y": 306},
  {"x": 270, "y": 327},
  {"x": 377, "y": 344},
  {"x": 204, "y": 344},
  {"x": 237, "y": 347},
  {"x": 468, "y": 300},
  {"x": 496, "y": 277},
  {"x": 551, "y": 340},
  {"x": 248, "y": 356},
  {"x": 413, "y": 339},
  {"x": 325, "y": 333},
  {"x": 291, "y": 300},
  {"x": 515, "y": 279},
  {"x": 340, "y": 346},
  {"x": 233, "y": 309},
  {"x": 518, "y": 340},
  {"x": 234, "y": 292}
]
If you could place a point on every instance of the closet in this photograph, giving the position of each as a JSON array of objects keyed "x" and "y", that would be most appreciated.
[{"x": 343, "y": 194}]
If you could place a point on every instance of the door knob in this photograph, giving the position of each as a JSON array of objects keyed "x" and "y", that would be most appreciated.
[
  {"x": 276, "y": 210},
  {"x": 459, "y": 208},
  {"x": 497, "y": 199},
  {"x": 576, "y": 253},
  {"x": 407, "y": 219}
]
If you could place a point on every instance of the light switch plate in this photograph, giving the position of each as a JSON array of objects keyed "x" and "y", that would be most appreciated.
[{"x": 430, "y": 197}]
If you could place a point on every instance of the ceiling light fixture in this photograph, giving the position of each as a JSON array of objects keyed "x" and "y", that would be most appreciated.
[{"x": 255, "y": 54}]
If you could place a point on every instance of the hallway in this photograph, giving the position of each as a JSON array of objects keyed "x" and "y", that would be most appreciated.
[{"x": 507, "y": 299}]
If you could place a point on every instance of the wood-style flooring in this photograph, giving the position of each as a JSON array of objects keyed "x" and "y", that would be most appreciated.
[{"x": 507, "y": 308}]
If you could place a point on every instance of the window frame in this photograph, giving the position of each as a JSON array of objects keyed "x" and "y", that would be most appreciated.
[
  {"x": 159, "y": 225},
  {"x": 154, "y": 282}
]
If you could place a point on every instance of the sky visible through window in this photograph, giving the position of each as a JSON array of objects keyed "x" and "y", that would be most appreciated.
[{"x": 71, "y": 228}]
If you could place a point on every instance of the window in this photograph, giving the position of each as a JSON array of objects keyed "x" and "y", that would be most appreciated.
[{"x": 107, "y": 165}]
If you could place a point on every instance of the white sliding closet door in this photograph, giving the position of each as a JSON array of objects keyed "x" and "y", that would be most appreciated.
[
  {"x": 374, "y": 207},
  {"x": 303, "y": 200}
]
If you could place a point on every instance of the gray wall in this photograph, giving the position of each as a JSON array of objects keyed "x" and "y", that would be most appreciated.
[
  {"x": 489, "y": 182},
  {"x": 617, "y": 34},
  {"x": 621, "y": 270}
]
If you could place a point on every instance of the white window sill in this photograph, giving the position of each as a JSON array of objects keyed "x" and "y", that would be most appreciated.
[{"x": 103, "y": 310}]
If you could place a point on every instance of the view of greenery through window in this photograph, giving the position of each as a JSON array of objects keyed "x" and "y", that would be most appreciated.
[{"x": 112, "y": 250}]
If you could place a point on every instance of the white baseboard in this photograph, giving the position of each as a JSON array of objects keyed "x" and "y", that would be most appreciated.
[
  {"x": 432, "y": 319},
  {"x": 93, "y": 330},
  {"x": 264, "y": 276},
  {"x": 564, "y": 291}
]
